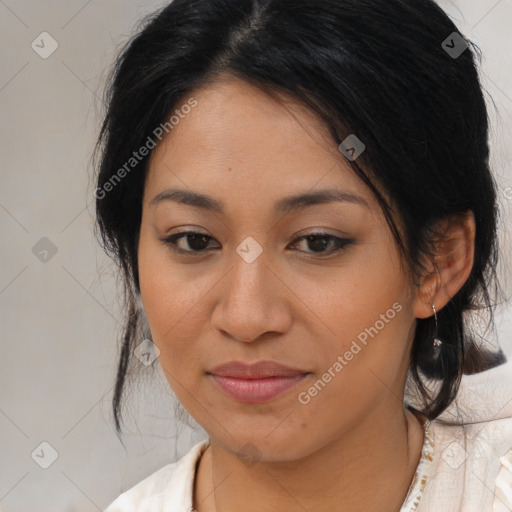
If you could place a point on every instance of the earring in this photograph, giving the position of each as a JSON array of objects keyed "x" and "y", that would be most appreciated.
[{"x": 437, "y": 341}]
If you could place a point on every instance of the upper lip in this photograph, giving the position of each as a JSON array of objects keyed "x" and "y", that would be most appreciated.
[{"x": 257, "y": 370}]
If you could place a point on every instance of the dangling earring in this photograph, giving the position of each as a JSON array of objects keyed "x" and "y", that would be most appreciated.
[{"x": 437, "y": 341}]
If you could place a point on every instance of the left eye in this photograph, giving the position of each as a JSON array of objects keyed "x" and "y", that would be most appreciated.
[
  {"x": 198, "y": 242},
  {"x": 319, "y": 242}
]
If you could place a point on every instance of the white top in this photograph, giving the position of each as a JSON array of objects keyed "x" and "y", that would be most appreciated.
[{"x": 466, "y": 462}]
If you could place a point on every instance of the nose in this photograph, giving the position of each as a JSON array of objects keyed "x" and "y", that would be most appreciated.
[{"x": 252, "y": 301}]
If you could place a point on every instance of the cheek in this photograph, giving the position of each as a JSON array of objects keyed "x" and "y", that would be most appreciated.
[
  {"x": 352, "y": 298},
  {"x": 368, "y": 312},
  {"x": 172, "y": 304}
]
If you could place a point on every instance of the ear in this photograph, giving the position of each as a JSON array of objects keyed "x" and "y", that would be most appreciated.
[{"x": 452, "y": 265}]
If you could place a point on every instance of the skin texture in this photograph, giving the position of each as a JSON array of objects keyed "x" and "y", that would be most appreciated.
[{"x": 353, "y": 446}]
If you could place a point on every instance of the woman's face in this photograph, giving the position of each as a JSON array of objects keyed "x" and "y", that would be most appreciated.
[{"x": 337, "y": 309}]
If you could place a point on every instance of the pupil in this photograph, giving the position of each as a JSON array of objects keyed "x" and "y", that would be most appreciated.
[
  {"x": 193, "y": 239},
  {"x": 318, "y": 243}
]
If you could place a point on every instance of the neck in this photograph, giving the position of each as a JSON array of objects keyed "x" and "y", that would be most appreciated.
[{"x": 370, "y": 467}]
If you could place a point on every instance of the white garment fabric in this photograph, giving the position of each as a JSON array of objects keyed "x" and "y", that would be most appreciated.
[{"x": 466, "y": 462}]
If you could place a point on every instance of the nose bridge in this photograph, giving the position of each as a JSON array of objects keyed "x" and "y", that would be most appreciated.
[
  {"x": 250, "y": 276},
  {"x": 250, "y": 294}
]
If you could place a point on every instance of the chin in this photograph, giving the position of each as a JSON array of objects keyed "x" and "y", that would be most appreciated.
[{"x": 269, "y": 444}]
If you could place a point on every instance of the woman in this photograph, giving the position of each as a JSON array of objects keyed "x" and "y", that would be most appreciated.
[{"x": 298, "y": 195}]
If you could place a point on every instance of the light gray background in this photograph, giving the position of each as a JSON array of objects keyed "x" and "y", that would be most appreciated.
[{"x": 60, "y": 319}]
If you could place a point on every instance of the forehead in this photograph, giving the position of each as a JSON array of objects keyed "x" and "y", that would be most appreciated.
[{"x": 239, "y": 139}]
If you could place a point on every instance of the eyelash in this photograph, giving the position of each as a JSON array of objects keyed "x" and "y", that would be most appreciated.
[{"x": 339, "y": 243}]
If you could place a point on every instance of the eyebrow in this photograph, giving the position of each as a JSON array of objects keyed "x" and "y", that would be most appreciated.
[{"x": 284, "y": 205}]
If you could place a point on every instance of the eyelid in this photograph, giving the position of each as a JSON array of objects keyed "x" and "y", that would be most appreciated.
[{"x": 339, "y": 242}]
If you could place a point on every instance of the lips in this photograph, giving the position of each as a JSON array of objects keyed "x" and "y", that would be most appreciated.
[{"x": 256, "y": 383}]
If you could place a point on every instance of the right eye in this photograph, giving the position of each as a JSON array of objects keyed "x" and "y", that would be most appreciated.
[{"x": 195, "y": 241}]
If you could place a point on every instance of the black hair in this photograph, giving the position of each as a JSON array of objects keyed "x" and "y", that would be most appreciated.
[{"x": 396, "y": 73}]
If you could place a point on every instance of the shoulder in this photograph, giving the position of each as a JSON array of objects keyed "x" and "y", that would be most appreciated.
[
  {"x": 474, "y": 463},
  {"x": 473, "y": 442},
  {"x": 471, "y": 468},
  {"x": 171, "y": 484},
  {"x": 503, "y": 489}
]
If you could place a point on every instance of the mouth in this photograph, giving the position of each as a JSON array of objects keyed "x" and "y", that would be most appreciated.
[{"x": 255, "y": 383}]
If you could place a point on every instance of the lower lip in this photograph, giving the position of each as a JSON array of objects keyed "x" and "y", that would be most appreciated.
[{"x": 256, "y": 391}]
